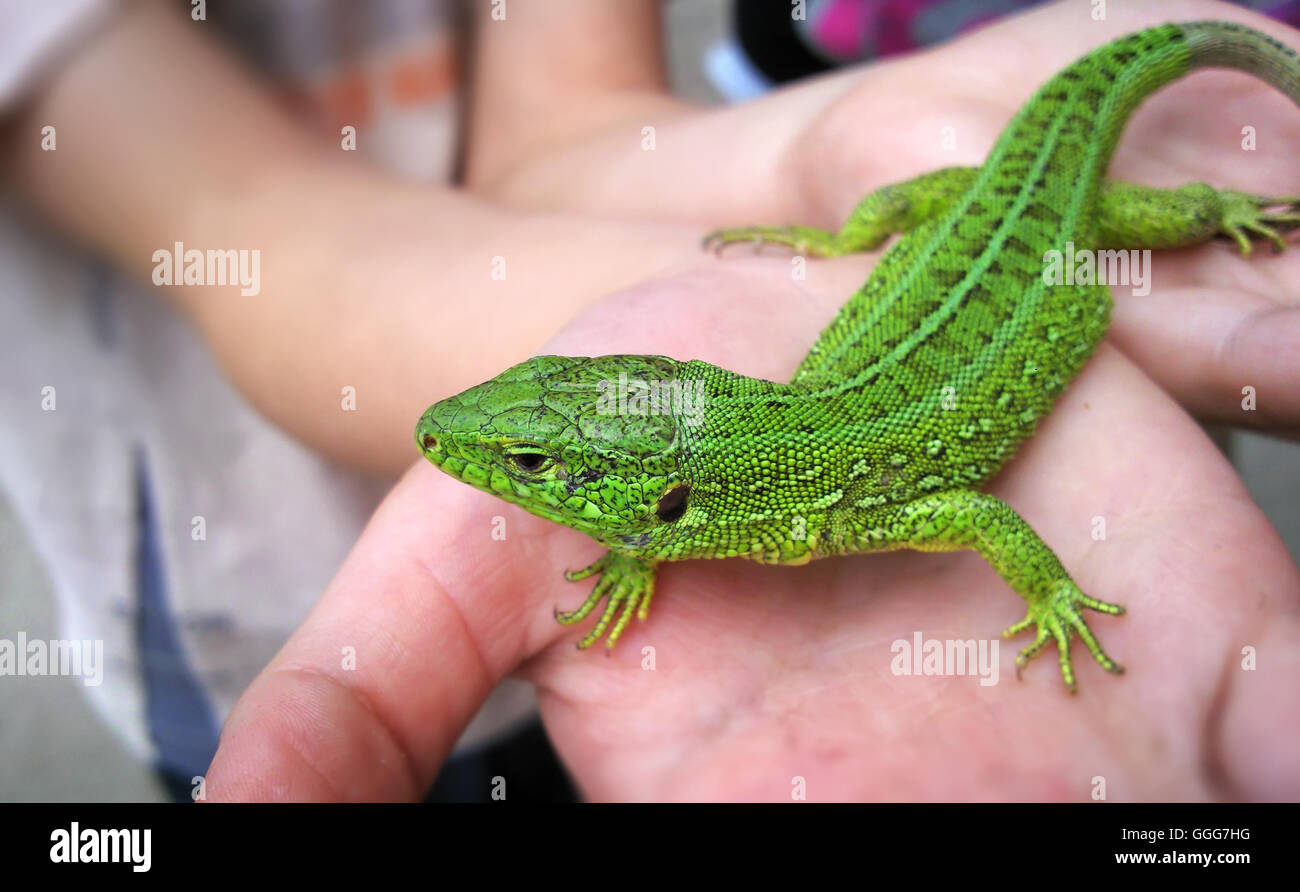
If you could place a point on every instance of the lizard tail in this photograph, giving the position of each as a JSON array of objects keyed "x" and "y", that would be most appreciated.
[{"x": 1229, "y": 45}]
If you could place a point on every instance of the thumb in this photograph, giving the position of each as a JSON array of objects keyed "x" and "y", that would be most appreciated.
[{"x": 369, "y": 695}]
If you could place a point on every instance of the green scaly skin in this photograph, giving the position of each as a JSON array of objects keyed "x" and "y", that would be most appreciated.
[{"x": 915, "y": 394}]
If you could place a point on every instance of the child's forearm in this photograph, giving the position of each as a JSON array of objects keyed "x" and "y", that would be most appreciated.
[
  {"x": 364, "y": 282},
  {"x": 554, "y": 74},
  {"x": 159, "y": 136}
]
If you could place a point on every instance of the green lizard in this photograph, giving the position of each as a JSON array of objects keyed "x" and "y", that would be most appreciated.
[{"x": 914, "y": 395}]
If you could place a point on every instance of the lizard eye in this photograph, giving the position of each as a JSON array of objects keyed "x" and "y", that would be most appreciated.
[{"x": 529, "y": 462}]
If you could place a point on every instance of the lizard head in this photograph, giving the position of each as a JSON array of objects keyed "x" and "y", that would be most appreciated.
[{"x": 577, "y": 440}]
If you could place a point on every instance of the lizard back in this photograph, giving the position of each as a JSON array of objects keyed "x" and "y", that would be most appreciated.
[{"x": 955, "y": 346}]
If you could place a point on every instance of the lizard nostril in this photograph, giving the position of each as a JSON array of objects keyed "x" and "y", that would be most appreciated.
[{"x": 430, "y": 441}]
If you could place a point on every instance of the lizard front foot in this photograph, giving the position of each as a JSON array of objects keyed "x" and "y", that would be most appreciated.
[
  {"x": 627, "y": 582},
  {"x": 1245, "y": 216},
  {"x": 1057, "y": 618},
  {"x": 803, "y": 240}
]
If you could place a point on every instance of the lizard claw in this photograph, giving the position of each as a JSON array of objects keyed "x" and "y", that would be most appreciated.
[
  {"x": 1057, "y": 619},
  {"x": 1246, "y": 216},
  {"x": 802, "y": 240},
  {"x": 625, "y": 582},
  {"x": 715, "y": 242}
]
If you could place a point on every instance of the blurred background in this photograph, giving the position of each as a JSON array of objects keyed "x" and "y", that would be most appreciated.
[{"x": 57, "y": 748}]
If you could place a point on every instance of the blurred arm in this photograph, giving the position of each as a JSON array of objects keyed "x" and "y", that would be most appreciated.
[
  {"x": 366, "y": 282},
  {"x": 554, "y": 72}
]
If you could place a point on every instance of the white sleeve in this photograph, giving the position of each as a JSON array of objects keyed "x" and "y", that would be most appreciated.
[{"x": 36, "y": 34}]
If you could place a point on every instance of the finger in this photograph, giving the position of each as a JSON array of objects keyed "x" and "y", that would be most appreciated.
[
  {"x": 369, "y": 695},
  {"x": 1232, "y": 358},
  {"x": 1253, "y": 736}
]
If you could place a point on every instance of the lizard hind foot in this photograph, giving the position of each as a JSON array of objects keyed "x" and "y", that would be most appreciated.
[
  {"x": 1057, "y": 618},
  {"x": 1246, "y": 217}
]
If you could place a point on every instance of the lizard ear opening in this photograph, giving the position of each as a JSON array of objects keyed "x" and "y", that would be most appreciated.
[{"x": 673, "y": 504}]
